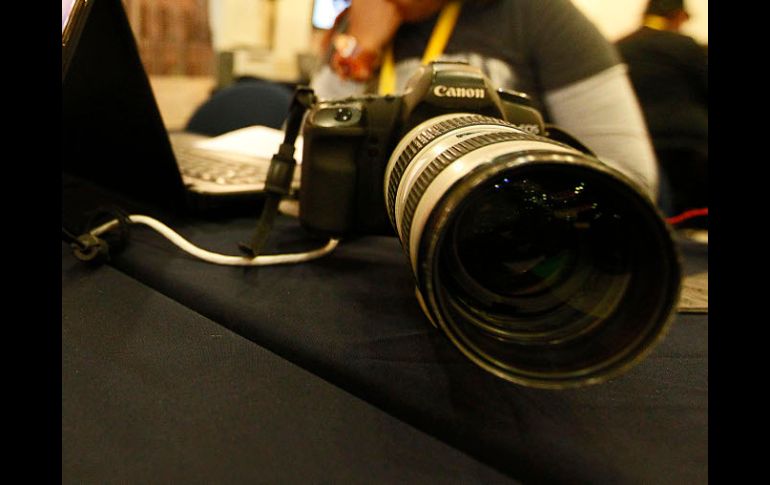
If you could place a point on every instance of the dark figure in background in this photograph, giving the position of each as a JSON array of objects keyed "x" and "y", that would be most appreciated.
[{"x": 669, "y": 72}]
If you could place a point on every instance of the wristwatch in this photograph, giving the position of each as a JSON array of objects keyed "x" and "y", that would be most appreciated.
[{"x": 350, "y": 61}]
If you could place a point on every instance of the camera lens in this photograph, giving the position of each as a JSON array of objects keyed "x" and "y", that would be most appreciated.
[{"x": 541, "y": 264}]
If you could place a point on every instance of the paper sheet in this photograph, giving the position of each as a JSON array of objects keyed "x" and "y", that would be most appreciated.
[
  {"x": 695, "y": 294},
  {"x": 255, "y": 141}
]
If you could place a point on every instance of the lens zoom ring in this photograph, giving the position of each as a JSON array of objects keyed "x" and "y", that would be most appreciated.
[
  {"x": 420, "y": 141},
  {"x": 441, "y": 162}
]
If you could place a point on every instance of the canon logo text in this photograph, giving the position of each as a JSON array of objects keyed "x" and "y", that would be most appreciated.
[{"x": 456, "y": 92}]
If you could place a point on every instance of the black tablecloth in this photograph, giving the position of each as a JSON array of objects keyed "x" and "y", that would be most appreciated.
[
  {"x": 153, "y": 392},
  {"x": 352, "y": 320}
]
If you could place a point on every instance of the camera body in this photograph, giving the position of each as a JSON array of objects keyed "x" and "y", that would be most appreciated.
[
  {"x": 543, "y": 265},
  {"x": 348, "y": 142}
]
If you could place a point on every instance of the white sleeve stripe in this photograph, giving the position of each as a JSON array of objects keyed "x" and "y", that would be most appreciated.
[{"x": 603, "y": 112}]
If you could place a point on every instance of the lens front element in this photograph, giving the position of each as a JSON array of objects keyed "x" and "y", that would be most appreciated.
[{"x": 541, "y": 264}]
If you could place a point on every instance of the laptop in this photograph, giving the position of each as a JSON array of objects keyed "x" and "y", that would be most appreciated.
[{"x": 113, "y": 134}]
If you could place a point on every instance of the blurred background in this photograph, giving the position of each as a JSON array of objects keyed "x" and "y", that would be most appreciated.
[{"x": 191, "y": 47}]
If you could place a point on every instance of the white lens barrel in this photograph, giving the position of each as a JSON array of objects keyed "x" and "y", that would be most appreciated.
[
  {"x": 447, "y": 167},
  {"x": 422, "y": 137},
  {"x": 458, "y": 170},
  {"x": 424, "y": 164}
]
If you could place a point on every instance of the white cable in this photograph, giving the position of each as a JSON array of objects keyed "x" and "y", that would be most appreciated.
[{"x": 185, "y": 245}]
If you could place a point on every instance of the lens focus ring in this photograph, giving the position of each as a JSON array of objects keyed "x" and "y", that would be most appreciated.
[
  {"x": 443, "y": 161},
  {"x": 420, "y": 141}
]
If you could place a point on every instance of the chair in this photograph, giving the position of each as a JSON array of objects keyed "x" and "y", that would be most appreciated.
[{"x": 248, "y": 102}]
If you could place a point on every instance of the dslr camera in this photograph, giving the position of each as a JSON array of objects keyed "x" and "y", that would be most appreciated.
[{"x": 541, "y": 264}]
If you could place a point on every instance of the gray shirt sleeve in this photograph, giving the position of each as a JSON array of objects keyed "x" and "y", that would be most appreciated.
[
  {"x": 586, "y": 89},
  {"x": 603, "y": 113},
  {"x": 563, "y": 46}
]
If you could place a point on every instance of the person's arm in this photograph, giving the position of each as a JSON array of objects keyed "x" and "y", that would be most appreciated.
[
  {"x": 367, "y": 28},
  {"x": 602, "y": 111},
  {"x": 586, "y": 89}
]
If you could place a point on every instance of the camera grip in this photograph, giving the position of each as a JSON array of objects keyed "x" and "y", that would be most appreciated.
[{"x": 328, "y": 188}]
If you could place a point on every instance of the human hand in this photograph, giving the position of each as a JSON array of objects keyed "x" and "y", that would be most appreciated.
[
  {"x": 373, "y": 23},
  {"x": 357, "y": 51}
]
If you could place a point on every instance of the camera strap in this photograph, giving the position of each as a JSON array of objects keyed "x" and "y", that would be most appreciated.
[
  {"x": 436, "y": 44},
  {"x": 281, "y": 171}
]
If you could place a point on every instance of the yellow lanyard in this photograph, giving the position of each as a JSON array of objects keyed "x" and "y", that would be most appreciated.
[
  {"x": 656, "y": 22},
  {"x": 438, "y": 40}
]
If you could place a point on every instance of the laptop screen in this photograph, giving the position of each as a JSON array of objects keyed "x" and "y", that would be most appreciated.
[
  {"x": 325, "y": 12},
  {"x": 73, "y": 13},
  {"x": 66, "y": 9},
  {"x": 112, "y": 131}
]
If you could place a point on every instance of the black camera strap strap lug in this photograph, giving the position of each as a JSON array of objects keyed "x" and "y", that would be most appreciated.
[{"x": 281, "y": 171}]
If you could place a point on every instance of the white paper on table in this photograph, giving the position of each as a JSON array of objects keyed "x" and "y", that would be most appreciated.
[{"x": 255, "y": 141}]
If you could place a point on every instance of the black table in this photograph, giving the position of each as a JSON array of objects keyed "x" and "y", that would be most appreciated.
[
  {"x": 328, "y": 372},
  {"x": 153, "y": 392}
]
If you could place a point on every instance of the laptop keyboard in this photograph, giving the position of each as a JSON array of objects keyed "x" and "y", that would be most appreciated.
[{"x": 222, "y": 169}]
